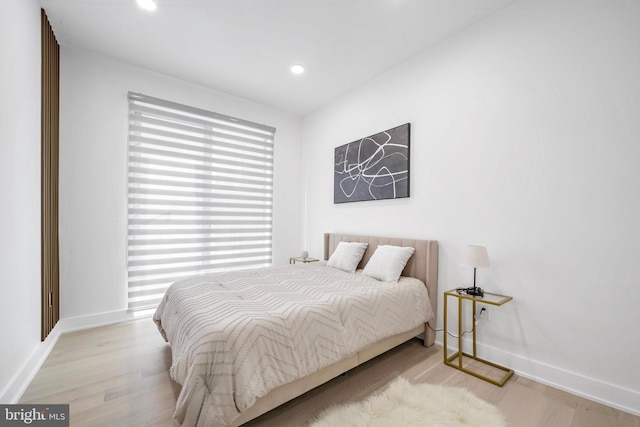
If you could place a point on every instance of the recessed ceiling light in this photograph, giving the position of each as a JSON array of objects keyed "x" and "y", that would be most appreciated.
[
  {"x": 147, "y": 4},
  {"x": 297, "y": 69}
]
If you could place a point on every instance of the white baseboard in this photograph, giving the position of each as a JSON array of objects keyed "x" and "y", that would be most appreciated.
[
  {"x": 23, "y": 377},
  {"x": 572, "y": 382},
  {"x": 94, "y": 320}
]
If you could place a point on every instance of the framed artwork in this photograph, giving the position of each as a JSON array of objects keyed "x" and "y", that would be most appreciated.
[{"x": 373, "y": 168}]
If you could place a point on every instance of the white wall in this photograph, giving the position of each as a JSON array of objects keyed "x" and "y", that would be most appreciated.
[
  {"x": 525, "y": 139},
  {"x": 93, "y": 147},
  {"x": 19, "y": 188}
]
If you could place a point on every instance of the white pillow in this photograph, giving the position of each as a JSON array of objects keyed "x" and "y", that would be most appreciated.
[
  {"x": 387, "y": 262},
  {"x": 347, "y": 256}
]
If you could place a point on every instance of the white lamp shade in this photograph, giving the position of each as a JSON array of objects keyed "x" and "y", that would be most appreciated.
[{"x": 475, "y": 256}]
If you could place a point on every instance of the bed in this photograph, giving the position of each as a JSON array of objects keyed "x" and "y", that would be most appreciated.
[{"x": 243, "y": 343}]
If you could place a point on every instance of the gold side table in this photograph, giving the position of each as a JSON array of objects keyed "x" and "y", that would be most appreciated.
[
  {"x": 456, "y": 360},
  {"x": 295, "y": 259}
]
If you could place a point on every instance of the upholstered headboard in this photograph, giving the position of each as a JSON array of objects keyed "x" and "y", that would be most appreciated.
[{"x": 422, "y": 265}]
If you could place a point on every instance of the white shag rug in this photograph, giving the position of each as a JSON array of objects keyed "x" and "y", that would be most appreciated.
[{"x": 403, "y": 404}]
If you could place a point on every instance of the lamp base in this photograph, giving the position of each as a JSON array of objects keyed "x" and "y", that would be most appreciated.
[{"x": 478, "y": 292}]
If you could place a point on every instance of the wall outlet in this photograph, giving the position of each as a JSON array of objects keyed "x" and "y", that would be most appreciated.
[{"x": 484, "y": 313}]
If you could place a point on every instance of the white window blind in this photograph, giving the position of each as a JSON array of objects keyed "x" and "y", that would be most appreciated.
[{"x": 200, "y": 190}]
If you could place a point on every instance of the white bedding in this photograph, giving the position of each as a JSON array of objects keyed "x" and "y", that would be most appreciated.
[{"x": 236, "y": 336}]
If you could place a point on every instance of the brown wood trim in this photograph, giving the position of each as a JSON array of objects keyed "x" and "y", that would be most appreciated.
[{"x": 50, "y": 123}]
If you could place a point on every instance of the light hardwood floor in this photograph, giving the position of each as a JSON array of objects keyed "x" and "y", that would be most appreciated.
[{"x": 117, "y": 375}]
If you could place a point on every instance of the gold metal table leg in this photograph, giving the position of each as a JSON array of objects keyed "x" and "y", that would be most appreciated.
[
  {"x": 444, "y": 338},
  {"x": 460, "y": 329},
  {"x": 473, "y": 323}
]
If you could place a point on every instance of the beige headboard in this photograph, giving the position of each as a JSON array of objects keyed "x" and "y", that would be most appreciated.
[{"x": 422, "y": 265}]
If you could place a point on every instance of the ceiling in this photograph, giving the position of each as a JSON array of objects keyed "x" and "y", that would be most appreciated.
[{"x": 246, "y": 47}]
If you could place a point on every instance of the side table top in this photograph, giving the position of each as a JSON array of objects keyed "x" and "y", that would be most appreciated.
[
  {"x": 488, "y": 298},
  {"x": 298, "y": 259}
]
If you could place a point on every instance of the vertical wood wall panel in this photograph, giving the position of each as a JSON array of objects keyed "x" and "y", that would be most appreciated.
[{"x": 50, "y": 143}]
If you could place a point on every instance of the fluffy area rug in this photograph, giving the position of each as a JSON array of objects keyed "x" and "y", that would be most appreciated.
[{"x": 403, "y": 404}]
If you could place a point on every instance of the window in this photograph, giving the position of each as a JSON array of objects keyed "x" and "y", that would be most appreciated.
[{"x": 200, "y": 191}]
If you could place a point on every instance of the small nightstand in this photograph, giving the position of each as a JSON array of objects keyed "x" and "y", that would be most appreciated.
[
  {"x": 455, "y": 360},
  {"x": 295, "y": 259}
]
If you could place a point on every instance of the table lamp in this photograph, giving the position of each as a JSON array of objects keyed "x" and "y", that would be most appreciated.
[{"x": 476, "y": 257}]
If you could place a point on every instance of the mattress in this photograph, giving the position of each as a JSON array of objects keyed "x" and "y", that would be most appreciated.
[{"x": 238, "y": 335}]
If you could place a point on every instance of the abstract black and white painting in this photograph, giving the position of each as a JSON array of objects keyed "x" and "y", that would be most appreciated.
[{"x": 373, "y": 168}]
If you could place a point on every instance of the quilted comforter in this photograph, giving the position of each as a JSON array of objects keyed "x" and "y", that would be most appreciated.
[{"x": 236, "y": 336}]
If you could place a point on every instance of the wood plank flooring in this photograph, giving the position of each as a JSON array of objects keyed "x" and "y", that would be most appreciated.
[{"x": 117, "y": 375}]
